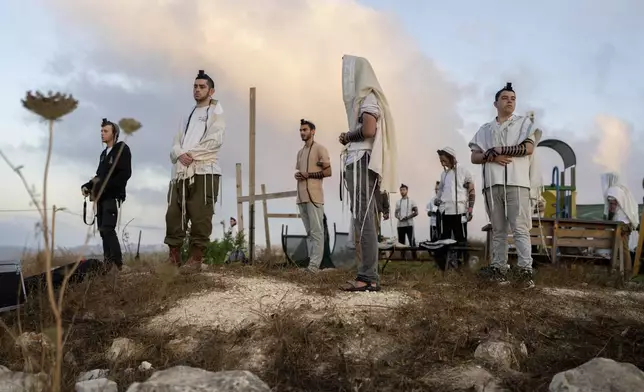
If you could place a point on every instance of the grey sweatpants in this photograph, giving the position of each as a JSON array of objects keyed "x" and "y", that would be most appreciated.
[
  {"x": 313, "y": 219},
  {"x": 361, "y": 182},
  {"x": 516, "y": 201}
]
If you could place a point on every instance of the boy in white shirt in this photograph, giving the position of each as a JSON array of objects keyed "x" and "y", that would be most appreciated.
[
  {"x": 503, "y": 147},
  {"x": 406, "y": 211}
]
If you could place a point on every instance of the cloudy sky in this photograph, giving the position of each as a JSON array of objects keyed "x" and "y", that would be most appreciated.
[{"x": 439, "y": 63}]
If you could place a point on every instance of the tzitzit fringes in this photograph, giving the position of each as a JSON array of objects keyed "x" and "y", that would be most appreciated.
[
  {"x": 183, "y": 205},
  {"x": 119, "y": 209},
  {"x": 356, "y": 183}
]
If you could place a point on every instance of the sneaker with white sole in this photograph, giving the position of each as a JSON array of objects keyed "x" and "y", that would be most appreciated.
[
  {"x": 526, "y": 281},
  {"x": 494, "y": 275}
]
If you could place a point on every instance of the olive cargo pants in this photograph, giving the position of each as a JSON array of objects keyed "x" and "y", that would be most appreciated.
[{"x": 197, "y": 199}]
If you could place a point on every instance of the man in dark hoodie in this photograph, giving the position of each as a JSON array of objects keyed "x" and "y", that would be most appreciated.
[{"x": 107, "y": 189}]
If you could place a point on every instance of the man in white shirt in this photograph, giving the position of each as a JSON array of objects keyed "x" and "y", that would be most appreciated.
[
  {"x": 237, "y": 254},
  {"x": 195, "y": 174},
  {"x": 369, "y": 159},
  {"x": 455, "y": 199},
  {"x": 233, "y": 229},
  {"x": 406, "y": 211},
  {"x": 503, "y": 147},
  {"x": 434, "y": 216}
]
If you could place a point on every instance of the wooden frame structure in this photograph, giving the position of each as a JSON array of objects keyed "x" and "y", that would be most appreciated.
[
  {"x": 558, "y": 234},
  {"x": 251, "y": 198}
]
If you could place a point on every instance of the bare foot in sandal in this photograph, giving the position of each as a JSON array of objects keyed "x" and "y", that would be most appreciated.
[
  {"x": 355, "y": 285},
  {"x": 358, "y": 285}
]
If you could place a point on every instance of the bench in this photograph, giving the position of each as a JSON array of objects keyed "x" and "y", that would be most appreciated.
[{"x": 569, "y": 238}]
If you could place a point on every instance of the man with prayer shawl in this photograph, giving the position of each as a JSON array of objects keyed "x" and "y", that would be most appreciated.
[
  {"x": 620, "y": 205},
  {"x": 504, "y": 148},
  {"x": 369, "y": 161},
  {"x": 455, "y": 200},
  {"x": 195, "y": 174}
]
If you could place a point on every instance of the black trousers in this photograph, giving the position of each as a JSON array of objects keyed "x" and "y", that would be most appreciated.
[
  {"x": 452, "y": 226},
  {"x": 435, "y": 231},
  {"x": 408, "y": 232},
  {"x": 107, "y": 216}
]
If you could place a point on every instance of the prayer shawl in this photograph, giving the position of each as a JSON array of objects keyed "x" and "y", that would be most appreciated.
[
  {"x": 358, "y": 81},
  {"x": 519, "y": 129},
  {"x": 613, "y": 188},
  {"x": 206, "y": 153}
]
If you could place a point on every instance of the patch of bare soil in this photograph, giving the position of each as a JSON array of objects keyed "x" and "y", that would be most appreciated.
[
  {"x": 251, "y": 299},
  {"x": 300, "y": 333}
]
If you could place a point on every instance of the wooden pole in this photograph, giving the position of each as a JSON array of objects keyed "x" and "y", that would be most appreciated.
[
  {"x": 638, "y": 251},
  {"x": 267, "y": 230},
  {"x": 251, "y": 177},
  {"x": 240, "y": 204}
]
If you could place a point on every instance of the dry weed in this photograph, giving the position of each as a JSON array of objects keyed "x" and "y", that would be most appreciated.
[{"x": 405, "y": 348}]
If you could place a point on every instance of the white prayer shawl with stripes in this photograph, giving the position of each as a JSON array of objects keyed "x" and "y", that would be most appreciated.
[
  {"x": 513, "y": 132},
  {"x": 205, "y": 156},
  {"x": 358, "y": 81}
]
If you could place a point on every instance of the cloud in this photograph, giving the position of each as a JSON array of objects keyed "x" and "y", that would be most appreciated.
[
  {"x": 611, "y": 147},
  {"x": 140, "y": 61},
  {"x": 614, "y": 142}
]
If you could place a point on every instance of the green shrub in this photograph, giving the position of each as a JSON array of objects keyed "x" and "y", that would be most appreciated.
[{"x": 217, "y": 250}]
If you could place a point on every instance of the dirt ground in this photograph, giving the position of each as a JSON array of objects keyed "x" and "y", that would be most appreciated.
[{"x": 301, "y": 333}]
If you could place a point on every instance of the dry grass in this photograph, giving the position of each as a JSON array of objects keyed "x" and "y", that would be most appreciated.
[{"x": 408, "y": 348}]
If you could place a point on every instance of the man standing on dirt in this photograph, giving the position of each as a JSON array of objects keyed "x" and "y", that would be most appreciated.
[
  {"x": 195, "y": 174},
  {"x": 312, "y": 165},
  {"x": 455, "y": 200},
  {"x": 504, "y": 147},
  {"x": 107, "y": 189},
  {"x": 406, "y": 211},
  {"x": 369, "y": 161}
]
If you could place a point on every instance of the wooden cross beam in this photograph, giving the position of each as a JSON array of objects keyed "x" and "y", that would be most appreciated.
[{"x": 263, "y": 197}]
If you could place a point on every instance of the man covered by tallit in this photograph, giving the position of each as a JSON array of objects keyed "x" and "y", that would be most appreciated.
[
  {"x": 504, "y": 148},
  {"x": 194, "y": 186},
  {"x": 369, "y": 161},
  {"x": 620, "y": 205}
]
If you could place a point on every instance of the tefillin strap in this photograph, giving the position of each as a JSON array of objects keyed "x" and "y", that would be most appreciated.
[
  {"x": 514, "y": 151},
  {"x": 355, "y": 136},
  {"x": 489, "y": 155},
  {"x": 317, "y": 175}
]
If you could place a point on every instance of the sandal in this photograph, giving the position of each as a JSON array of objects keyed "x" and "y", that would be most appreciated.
[{"x": 352, "y": 286}]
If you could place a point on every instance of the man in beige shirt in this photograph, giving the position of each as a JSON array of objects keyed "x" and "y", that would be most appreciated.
[{"x": 312, "y": 165}]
